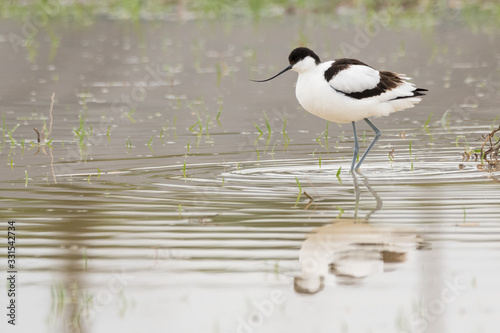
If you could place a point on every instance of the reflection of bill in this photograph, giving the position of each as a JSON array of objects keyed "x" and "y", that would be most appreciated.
[{"x": 351, "y": 251}]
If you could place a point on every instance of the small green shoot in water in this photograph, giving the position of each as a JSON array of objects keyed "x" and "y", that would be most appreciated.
[
  {"x": 300, "y": 191},
  {"x": 88, "y": 179},
  {"x": 129, "y": 116},
  {"x": 184, "y": 170},
  {"x": 219, "y": 73},
  {"x": 26, "y": 174},
  {"x": 277, "y": 268},
  {"x": 188, "y": 148},
  {"x": 410, "y": 147},
  {"x": 465, "y": 214},
  {"x": 285, "y": 135},
  {"x": 493, "y": 123},
  {"x": 458, "y": 138},
  {"x": 12, "y": 163},
  {"x": 338, "y": 175},
  {"x": 107, "y": 133},
  {"x": 99, "y": 173},
  {"x": 218, "y": 116},
  {"x": 260, "y": 133},
  {"x": 445, "y": 120},
  {"x": 427, "y": 122},
  {"x": 267, "y": 124},
  {"x": 129, "y": 144},
  {"x": 85, "y": 259},
  {"x": 10, "y": 132},
  {"x": 319, "y": 161},
  {"x": 175, "y": 127},
  {"x": 180, "y": 210},
  {"x": 341, "y": 211},
  {"x": 326, "y": 135},
  {"x": 258, "y": 156},
  {"x": 161, "y": 136},
  {"x": 194, "y": 125},
  {"x": 149, "y": 143},
  {"x": 272, "y": 150}
]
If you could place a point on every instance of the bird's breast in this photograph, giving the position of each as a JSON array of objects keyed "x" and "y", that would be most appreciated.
[{"x": 318, "y": 97}]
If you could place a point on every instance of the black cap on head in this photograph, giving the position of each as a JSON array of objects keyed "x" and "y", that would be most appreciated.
[
  {"x": 297, "y": 55},
  {"x": 300, "y": 53}
]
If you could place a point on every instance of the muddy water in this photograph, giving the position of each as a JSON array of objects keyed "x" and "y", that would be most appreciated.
[{"x": 158, "y": 206}]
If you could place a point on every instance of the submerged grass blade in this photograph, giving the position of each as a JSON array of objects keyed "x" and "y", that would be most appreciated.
[
  {"x": 149, "y": 143},
  {"x": 285, "y": 135},
  {"x": 493, "y": 123},
  {"x": 341, "y": 211},
  {"x": 260, "y": 133},
  {"x": 218, "y": 116},
  {"x": 428, "y": 120},
  {"x": 267, "y": 124},
  {"x": 108, "y": 133},
  {"x": 175, "y": 127},
  {"x": 326, "y": 136},
  {"x": 161, "y": 136},
  {"x": 129, "y": 144},
  {"x": 300, "y": 191},
  {"x": 129, "y": 116}
]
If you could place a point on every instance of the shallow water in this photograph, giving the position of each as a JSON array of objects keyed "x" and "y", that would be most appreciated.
[{"x": 202, "y": 230}]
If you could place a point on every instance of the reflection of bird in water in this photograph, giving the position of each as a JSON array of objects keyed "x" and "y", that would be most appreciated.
[{"x": 351, "y": 251}]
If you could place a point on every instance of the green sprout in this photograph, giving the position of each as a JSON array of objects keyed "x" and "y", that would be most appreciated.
[{"x": 300, "y": 192}]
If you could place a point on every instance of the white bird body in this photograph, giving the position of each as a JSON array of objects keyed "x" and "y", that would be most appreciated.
[
  {"x": 316, "y": 95},
  {"x": 348, "y": 90}
]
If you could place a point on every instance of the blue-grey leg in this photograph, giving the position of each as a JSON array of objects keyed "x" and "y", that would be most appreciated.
[
  {"x": 356, "y": 146},
  {"x": 356, "y": 193},
  {"x": 377, "y": 135}
]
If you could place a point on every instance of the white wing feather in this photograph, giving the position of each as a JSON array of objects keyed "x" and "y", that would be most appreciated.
[{"x": 356, "y": 78}]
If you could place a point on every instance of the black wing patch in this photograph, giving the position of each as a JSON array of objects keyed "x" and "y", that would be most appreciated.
[
  {"x": 340, "y": 65},
  {"x": 416, "y": 92}
]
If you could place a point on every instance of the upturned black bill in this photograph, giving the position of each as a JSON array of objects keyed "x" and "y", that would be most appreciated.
[{"x": 283, "y": 71}]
